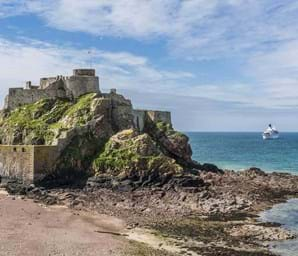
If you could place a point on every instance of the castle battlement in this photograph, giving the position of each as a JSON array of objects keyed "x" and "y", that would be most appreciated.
[
  {"x": 82, "y": 81},
  {"x": 84, "y": 72}
]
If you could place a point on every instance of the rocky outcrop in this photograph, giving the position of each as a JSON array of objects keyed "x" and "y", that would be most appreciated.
[
  {"x": 175, "y": 145},
  {"x": 129, "y": 155},
  {"x": 171, "y": 143},
  {"x": 96, "y": 134}
]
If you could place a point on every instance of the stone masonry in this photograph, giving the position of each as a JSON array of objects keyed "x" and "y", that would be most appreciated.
[
  {"x": 81, "y": 82},
  {"x": 27, "y": 162}
]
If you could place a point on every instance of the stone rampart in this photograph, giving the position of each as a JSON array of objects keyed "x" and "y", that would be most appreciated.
[
  {"x": 19, "y": 96},
  {"x": 46, "y": 81},
  {"x": 139, "y": 117},
  {"x": 28, "y": 163},
  {"x": 82, "y": 82}
]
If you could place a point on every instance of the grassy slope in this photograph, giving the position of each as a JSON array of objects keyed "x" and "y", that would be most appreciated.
[{"x": 44, "y": 119}]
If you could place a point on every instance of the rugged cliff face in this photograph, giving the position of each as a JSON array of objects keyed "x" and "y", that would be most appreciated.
[{"x": 96, "y": 134}]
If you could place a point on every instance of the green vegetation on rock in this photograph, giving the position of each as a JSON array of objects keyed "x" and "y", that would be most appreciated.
[
  {"x": 128, "y": 152},
  {"x": 30, "y": 124},
  {"x": 167, "y": 129},
  {"x": 41, "y": 122},
  {"x": 79, "y": 113},
  {"x": 172, "y": 143}
]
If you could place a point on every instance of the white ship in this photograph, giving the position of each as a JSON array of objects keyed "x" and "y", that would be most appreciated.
[{"x": 270, "y": 133}]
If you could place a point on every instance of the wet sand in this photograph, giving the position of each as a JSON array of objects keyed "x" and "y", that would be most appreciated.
[{"x": 28, "y": 228}]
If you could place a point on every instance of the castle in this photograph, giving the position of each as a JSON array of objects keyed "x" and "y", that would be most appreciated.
[
  {"x": 81, "y": 82},
  {"x": 31, "y": 163}
]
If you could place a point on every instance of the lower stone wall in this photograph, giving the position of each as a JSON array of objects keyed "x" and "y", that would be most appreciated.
[
  {"x": 160, "y": 116},
  {"x": 44, "y": 160},
  {"x": 17, "y": 162},
  {"x": 19, "y": 96},
  {"x": 27, "y": 163},
  {"x": 139, "y": 117}
]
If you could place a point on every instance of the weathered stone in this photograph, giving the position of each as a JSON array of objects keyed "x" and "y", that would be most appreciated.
[
  {"x": 128, "y": 155},
  {"x": 82, "y": 82}
]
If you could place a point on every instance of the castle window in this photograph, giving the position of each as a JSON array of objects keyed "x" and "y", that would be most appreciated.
[
  {"x": 23, "y": 150},
  {"x": 14, "y": 149}
]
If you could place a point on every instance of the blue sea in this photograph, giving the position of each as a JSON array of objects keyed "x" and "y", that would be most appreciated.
[{"x": 241, "y": 150}]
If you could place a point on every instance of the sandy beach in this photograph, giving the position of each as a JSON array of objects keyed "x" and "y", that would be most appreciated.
[{"x": 31, "y": 229}]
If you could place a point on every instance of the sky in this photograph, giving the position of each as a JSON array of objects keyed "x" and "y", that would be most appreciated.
[{"x": 217, "y": 65}]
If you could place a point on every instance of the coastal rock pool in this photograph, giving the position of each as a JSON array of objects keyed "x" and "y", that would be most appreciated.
[{"x": 287, "y": 215}]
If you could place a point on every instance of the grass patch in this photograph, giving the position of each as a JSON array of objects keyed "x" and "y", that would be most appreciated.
[
  {"x": 41, "y": 122},
  {"x": 79, "y": 113}
]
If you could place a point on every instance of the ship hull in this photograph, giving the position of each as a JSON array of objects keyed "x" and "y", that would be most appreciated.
[{"x": 270, "y": 136}]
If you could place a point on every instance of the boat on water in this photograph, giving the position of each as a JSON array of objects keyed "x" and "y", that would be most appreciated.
[{"x": 270, "y": 133}]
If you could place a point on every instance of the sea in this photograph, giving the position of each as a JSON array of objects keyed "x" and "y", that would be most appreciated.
[
  {"x": 287, "y": 215},
  {"x": 241, "y": 150}
]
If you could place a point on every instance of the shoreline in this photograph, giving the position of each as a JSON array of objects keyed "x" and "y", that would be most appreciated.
[{"x": 217, "y": 218}]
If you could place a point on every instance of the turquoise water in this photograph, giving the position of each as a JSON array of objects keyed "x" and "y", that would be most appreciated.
[
  {"x": 287, "y": 215},
  {"x": 243, "y": 150}
]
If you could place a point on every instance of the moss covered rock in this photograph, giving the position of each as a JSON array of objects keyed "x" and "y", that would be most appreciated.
[
  {"x": 172, "y": 143},
  {"x": 44, "y": 121},
  {"x": 133, "y": 155},
  {"x": 31, "y": 124}
]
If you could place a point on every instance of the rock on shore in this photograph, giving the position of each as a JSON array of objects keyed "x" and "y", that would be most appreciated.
[{"x": 207, "y": 213}]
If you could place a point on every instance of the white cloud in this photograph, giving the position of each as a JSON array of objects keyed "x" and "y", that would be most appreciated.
[
  {"x": 263, "y": 33},
  {"x": 29, "y": 59},
  {"x": 277, "y": 73},
  {"x": 193, "y": 28}
]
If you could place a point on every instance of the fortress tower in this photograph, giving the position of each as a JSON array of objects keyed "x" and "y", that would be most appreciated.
[{"x": 82, "y": 81}]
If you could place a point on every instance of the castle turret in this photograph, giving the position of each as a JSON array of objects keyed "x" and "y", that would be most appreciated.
[{"x": 82, "y": 81}]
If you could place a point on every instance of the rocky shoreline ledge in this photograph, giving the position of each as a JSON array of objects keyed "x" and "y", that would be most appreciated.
[{"x": 207, "y": 213}]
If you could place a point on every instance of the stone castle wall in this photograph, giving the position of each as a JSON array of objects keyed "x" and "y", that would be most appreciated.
[
  {"x": 44, "y": 161},
  {"x": 83, "y": 81},
  {"x": 139, "y": 117},
  {"x": 19, "y": 96},
  {"x": 46, "y": 81},
  {"x": 121, "y": 111},
  {"x": 26, "y": 163}
]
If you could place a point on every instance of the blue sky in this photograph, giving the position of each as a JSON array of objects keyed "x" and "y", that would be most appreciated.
[{"x": 217, "y": 65}]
